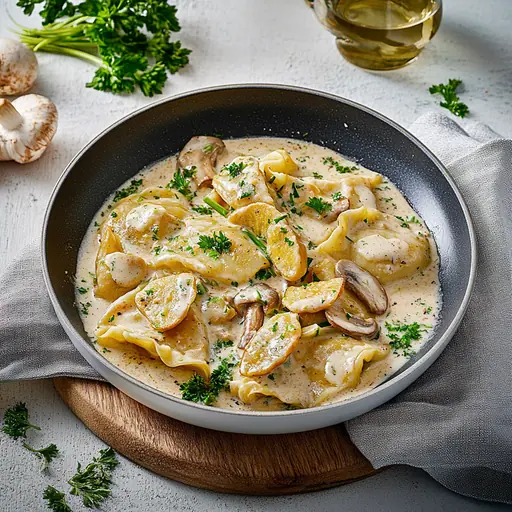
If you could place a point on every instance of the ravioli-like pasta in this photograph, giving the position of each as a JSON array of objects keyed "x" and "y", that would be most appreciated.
[
  {"x": 185, "y": 345},
  {"x": 335, "y": 362},
  {"x": 229, "y": 260},
  {"x": 240, "y": 263}
]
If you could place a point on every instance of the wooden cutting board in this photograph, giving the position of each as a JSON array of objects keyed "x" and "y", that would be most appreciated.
[{"x": 219, "y": 461}]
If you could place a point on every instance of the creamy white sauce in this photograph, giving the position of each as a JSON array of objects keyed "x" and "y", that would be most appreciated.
[{"x": 414, "y": 299}]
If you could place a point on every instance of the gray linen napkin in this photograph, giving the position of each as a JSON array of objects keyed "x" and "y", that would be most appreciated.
[{"x": 455, "y": 421}]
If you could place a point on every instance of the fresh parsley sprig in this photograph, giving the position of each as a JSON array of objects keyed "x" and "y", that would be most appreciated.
[
  {"x": 45, "y": 454},
  {"x": 198, "y": 390},
  {"x": 181, "y": 181},
  {"x": 16, "y": 422},
  {"x": 215, "y": 245},
  {"x": 56, "y": 500},
  {"x": 451, "y": 100},
  {"x": 130, "y": 40},
  {"x": 94, "y": 482},
  {"x": 319, "y": 205}
]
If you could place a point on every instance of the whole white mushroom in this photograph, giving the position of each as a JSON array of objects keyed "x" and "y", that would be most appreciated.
[
  {"x": 18, "y": 67},
  {"x": 27, "y": 125}
]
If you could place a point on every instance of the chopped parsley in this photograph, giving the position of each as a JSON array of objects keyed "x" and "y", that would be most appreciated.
[
  {"x": 215, "y": 245},
  {"x": 402, "y": 336},
  {"x": 84, "y": 308},
  {"x": 265, "y": 273},
  {"x": 208, "y": 148},
  {"x": 202, "y": 210},
  {"x": 317, "y": 176},
  {"x": 288, "y": 241},
  {"x": 278, "y": 219},
  {"x": 157, "y": 250},
  {"x": 82, "y": 290},
  {"x": 127, "y": 191},
  {"x": 234, "y": 169},
  {"x": 197, "y": 389},
  {"x": 271, "y": 376},
  {"x": 337, "y": 196},
  {"x": 220, "y": 344},
  {"x": 154, "y": 236},
  {"x": 342, "y": 169},
  {"x": 408, "y": 220},
  {"x": 318, "y": 204},
  {"x": 181, "y": 181},
  {"x": 451, "y": 100},
  {"x": 113, "y": 214}
]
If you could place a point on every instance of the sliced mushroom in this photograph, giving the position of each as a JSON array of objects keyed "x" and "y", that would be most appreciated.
[
  {"x": 253, "y": 303},
  {"x": 337, "y": 207},
  {"x": 364, "y": 285},
  {"x": 201, "y": 152},
  {"x": 349, "y": 324}
]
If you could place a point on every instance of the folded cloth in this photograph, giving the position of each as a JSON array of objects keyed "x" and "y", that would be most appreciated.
[
  {"x": 33, "y": 345},
  {"x": 455, "y": 421}
]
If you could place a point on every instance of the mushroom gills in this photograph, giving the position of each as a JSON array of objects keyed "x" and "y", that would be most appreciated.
[
  {"x": 351, "y": 325},
  {"x": 364, "y": 285}
]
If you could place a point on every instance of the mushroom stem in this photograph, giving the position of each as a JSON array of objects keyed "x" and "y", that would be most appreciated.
[{"x": 10, "y": 118}]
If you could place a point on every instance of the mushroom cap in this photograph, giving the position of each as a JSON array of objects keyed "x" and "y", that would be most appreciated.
[
  {"x": 28, "y": 141},
  {"x": 18, "y": 67},
  {"x": 201, "y": 152},
  {"x": 350, "y": 324},
  {"x": 365, "y": 285},
  {"x": 259, "y": 293},
  {"x": 253, "y": 320}
]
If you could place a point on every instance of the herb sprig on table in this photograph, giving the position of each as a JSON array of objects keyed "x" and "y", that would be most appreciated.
[
  {"x": 130, "y": 40},
  {"x": 16, "y": 424},
  {"x": 451, "y": 100}
]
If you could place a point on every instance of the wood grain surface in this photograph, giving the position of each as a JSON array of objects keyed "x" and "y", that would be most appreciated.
[{"x": 219, "y": 461}]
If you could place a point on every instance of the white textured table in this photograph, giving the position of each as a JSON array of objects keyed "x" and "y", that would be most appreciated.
[{"x": 237, "y": 41}]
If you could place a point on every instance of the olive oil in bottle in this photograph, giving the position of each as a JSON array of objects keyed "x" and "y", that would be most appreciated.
[{"x": 380, "y": 34}]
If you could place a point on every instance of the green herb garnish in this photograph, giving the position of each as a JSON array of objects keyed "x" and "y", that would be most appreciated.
[
  {"x": 402, "y": 336},
  {"x": 129, "y": 40},
  {"x": 215, "y": 245},
  {"x": 265, "y": 273},
  {"x": 234, "y": 169},
  {"x": 216, "y": 206},
  {"x": 202, "y": 210},
  {"x": 93, "y": 483},
  {"x": 56, "y": 500},
  {"x": 256, "y": 241},
  {"x": 127, "y": 191},
  {"x": 16, "y": 422},
  {"x": 317, "y": 176},
  {"x": 197, "y": 389},
  {"x": 181, "y": 181},
  {"x": 45, "y": 454},
  {"x": 451, "y": 100},
  {"x": 318, "y": 204},
  {"x": 342, "y": 169}
]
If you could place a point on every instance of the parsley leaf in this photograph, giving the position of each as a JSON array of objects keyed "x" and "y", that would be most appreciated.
[
  {"x": 181, "y": 182},
  {"x": 234, "y": 169},
  {"x": 127, "y": 191},
  {"x": 197, "y": 389},
  {"x": 318, "y": 204},
  {"x": 265, "y": 273},
  {"x": 215, "y": 245},
  {"x": 16, "y": 422},
  {"x": 45, "y": 454},
  {"x": 342, "y": 169},
  {"x": 56, "y": 500},
  {"x": 202, "y": 210},
  {"x": 402, "y": 336},
  {"x": 451, "y": 100},
  {"x": 93, "y": 483}
]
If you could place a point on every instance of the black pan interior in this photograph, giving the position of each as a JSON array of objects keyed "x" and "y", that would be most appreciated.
[{"x": 163, "y": 129}]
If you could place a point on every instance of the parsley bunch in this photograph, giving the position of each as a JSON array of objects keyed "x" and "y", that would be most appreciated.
[
  {"x": 451, "y": 100},
  {"x": 130, "y": 40}
]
